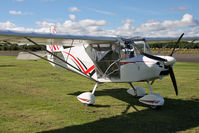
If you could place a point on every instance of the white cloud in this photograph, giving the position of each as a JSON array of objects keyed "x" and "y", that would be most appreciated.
[
  {"x": 44, "y": 24},
  {"x": 19, "y": 0},
  {"x": 48, "y": 0},
  {"x": 151, "y": 28},
  {"x": 72, "y": 16},
  {"x": 126, "y": 30},
  {"x": 13, "y": 12},
  {"x": 7, "y": 25},
  {"x": 90, "y": 22},
  {"x": 10, "y": 26},
  {"x": 152, "y": 25},
  {"x": 180, "y": 8},
  {"x": 167, "y": 28},
  {"x": 74, "y": 9},
  {"x": 128, "y": 21},
  {"x": 83, "y": 27},
  {"x": 104, "y": 12}
]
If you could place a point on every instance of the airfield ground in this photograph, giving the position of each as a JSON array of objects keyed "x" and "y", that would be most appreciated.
[
  {"x": 192, "y": 56},
  {"x": 35, "y": 97}
]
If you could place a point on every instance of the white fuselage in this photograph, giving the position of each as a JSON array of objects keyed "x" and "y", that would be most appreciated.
[{"x": 135, "y": 69}]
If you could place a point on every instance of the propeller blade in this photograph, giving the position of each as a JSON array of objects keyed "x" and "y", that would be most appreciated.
[
  {"x": 154, "y": 57},
  {"x": 173, "y": 80},
  {"x": 177, "y": 44},
  {"x": 188, "y": 43},
  {"x": 152, "y": 82},
  {"x": 160, "y": 50}
]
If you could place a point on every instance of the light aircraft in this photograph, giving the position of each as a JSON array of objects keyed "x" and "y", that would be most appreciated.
[{"x": 103, "y": 60}]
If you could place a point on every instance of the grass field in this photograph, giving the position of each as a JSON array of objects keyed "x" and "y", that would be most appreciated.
[{"x": 35, "y": 97}]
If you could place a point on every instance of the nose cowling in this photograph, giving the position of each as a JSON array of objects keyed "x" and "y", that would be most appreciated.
[{"x": 169, "y": 60}]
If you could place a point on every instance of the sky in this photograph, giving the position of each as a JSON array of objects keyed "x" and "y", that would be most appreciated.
[{"x": 147, "y": 18}]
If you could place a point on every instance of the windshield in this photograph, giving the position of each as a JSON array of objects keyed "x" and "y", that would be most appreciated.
[{"x": 142, "y": 47}]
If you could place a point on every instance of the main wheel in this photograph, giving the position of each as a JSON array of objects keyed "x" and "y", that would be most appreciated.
[
  {"x": 155, "y": 107},
  {"x": 85, "y": 104}
]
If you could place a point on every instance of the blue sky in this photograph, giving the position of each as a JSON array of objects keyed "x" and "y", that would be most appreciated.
[{"x": 155, "y": 18}]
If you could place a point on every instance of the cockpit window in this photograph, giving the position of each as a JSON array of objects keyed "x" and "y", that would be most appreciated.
[
  {"x": 142, "y": 47},
  {"x": 134, "y": 48}
]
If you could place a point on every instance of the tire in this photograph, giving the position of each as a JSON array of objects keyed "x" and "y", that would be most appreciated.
[{"x": 155, "y": 107}]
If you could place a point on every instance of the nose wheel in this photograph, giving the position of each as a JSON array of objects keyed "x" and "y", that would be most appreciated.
[{"x": 154, "y": 100}]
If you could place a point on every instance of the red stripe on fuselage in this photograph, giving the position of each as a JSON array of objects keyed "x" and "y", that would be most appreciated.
[
  {"x": 57, "y": 47},
  {"x": 90, "y": 69},
  {"x": 50, "y": 47},
  {"x": 85, "y": 71},
  {"x": 54, "y": 47}
]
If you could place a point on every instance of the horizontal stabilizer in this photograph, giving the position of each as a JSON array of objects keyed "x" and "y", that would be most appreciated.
[{"x": 28, "y": 56}]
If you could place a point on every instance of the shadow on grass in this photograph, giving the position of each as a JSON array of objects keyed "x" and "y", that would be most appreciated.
[
  {"x": 7, "y": 65},
  {"x": 176, "y": 115}
]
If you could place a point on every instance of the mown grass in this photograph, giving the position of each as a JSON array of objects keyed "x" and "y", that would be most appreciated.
[{"x": 35, "y": 97}]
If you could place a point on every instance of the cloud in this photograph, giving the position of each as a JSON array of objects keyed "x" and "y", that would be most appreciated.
[
  {"x": 180, "y": 8},
  {"x": 74, "y": 9},
  {"x": 151, "y": 28},
  {"x": 10, "y": 26},
  {"x": 83, "y": 27},
  {"x": 72, "y": 16},
  {"x": 13, "y": 12},
  {"x": 154, "y": 28},
  {"x": 128, "y": 21},
  {"x": 152, "y": 25},
  {"x": 48, "y": 0},
  {"x": 126, "y": 30},
  {"x": 104, "y": 12},
  {"x": 7, "y": 25},
  {"x": 19, "y": 0}
]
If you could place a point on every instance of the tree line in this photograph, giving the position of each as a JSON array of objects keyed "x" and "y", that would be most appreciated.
[
  {"x": 15, "y": 47},
  {"x": 152, "y": 44},
  {"x": 171, "y": 44}
]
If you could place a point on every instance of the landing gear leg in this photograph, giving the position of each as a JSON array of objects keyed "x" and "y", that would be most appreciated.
[
  {"x": 135, "y": 91},
  {"x": 95, "y": 87},
  {"x": 150, "y": 87},
  {"x": 88, "y": 98}
]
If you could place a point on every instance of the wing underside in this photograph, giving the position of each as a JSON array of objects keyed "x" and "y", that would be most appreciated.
[{"x": 56, "y": 39}]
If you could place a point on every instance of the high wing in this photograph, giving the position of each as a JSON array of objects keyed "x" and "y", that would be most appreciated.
[{"x": 56, "y": 39}]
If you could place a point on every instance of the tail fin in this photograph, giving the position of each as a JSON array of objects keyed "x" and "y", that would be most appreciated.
[{"x": 53, "y": 47}]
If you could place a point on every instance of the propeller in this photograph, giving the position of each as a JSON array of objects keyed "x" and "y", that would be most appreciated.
[
  {"x": 173, "y": 79},
  {"x": 169, "y": 66},
  {"x": 176, "y": 44}
]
